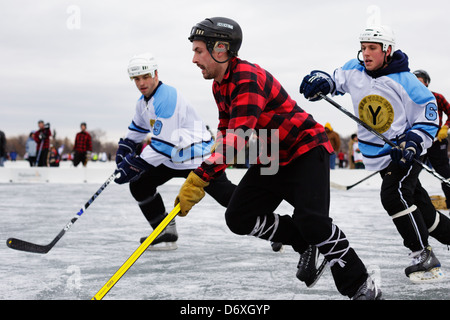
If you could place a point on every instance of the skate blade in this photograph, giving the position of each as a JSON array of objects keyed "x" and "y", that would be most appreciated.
[
  {"x": 434, "y": 275},
  {"x": 318, "y": 274},
  {"x": 163, "y": 246}
]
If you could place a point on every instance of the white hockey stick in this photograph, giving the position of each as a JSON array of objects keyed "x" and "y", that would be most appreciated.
[{"x": 341, "y": 187}]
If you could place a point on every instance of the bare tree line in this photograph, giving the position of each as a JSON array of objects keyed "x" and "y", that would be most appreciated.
[{"x": 17, "y": 143}]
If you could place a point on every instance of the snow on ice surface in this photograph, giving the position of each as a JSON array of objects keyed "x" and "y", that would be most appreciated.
[{"x": 211, "y": 263}]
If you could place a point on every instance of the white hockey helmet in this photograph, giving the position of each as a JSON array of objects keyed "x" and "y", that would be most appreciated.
[
  {"x": 379, "y": 34},
  {"x": 140, "y": 64}
]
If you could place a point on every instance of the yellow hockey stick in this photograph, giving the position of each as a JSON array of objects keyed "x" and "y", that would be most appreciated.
[{"x": 136, "y": 254}]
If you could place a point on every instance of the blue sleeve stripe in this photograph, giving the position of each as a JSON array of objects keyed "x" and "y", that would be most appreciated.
[
  {"x": 429, "y": 129},
  {"x": 195, "y": 150},
  {"x": 165, "y": 101},
  {"x": 372, "y": 150},
  {"x": 134, "y": 127},
  {"x": 416, "y": 90},
  {"x": 353, "y": 64}
]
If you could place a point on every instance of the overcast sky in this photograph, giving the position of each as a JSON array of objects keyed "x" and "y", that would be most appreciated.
[{"x": 65, "y": 62}]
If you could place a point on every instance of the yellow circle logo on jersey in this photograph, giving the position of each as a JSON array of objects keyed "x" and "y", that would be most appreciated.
[{"x": 377, "y": 112}]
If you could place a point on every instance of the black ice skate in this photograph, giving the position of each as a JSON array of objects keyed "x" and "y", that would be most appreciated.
[
  {"x": 308, "y": 270},
  {"x": 368, "y": 291},
  {"x": 424, "y": 267},
  {"x": 166, "y": 240}
]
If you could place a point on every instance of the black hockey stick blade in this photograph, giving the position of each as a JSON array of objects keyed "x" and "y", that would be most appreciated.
[{"x": 22, "y": 245}]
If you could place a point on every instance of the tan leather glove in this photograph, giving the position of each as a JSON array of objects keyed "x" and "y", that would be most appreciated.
[
  {"x": 191, "y": 192},
  {"x": 443, "y": 133}
]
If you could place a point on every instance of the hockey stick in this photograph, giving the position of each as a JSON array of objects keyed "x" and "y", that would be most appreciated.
[
  {"x": 22, "y": 245},
  {"x": 341, "y": 187},
  {"x": 136, "y": 254},
  {"x": 379, "y": 135}
]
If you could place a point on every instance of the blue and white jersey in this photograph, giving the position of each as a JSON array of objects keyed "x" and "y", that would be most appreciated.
[
  {"x": 392, "y": 104},
  {"x": 179, "y": 138}
]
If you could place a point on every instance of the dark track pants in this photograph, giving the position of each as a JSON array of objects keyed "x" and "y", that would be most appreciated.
[
  {"x": 305, "y": 184},
  {"x": 401, "y": 190}
]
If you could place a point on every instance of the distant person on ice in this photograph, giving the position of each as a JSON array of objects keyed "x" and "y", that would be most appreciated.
[
  {"x": 335, "y": 141},
  {"x": 3, "y": 153},
  {"x": 250, "y": 98},
  {"x": 390, "y": 99},
  {"x": 82, "y": 147},
  {"x": 42, "y": 138}
]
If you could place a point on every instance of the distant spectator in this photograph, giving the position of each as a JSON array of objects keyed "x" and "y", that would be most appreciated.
[
  {"x": 335, "y": 141},
  {"x": 30, "y": 149},
  {"x": 341, "y": 157},
  {"x": 53, "y": 158},
  {"x": 82, "y": 146},
  {"x": 2, "y": 148},
  {"x": 357, "y": 155},
  {"x": 13, "y": 155},
  {"x": 42, "y": 138}
]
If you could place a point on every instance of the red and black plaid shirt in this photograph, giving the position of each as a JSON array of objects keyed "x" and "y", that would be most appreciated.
[
  {"x": 443, "y": 107},
  {"x": 42, "y": 136},
  {"x": 83, "y": 142},
  {"x": 249, "y": 97}
]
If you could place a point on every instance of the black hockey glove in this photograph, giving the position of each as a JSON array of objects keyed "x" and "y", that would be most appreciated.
[
  {"x": 408, "y": 150},
  {"x": 316, "y": 82},
  {"x": 126, "y": 147},
  {"x": 131, "y": 168}
]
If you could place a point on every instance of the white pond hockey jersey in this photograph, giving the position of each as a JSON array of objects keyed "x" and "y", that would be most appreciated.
[
  {"x": 179, "y": 138},
  {"x": 392, "y": 105}
]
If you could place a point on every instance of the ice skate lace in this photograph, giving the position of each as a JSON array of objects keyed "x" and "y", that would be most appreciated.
[
  {"x": 306, "y": 257},
  {"x": 419, "y": 256},
  {"x": 415, "y": 257},
  {"x": 339, "y": 260},
  {"x": 260, "y": 227}
]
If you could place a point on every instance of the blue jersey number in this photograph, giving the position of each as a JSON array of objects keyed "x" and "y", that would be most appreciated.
[{"x": 431, "y": 112}]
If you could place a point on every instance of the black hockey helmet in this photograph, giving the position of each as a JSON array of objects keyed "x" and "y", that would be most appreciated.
[
  {"x": 424, "y": 75},
  {"x": 218, "y": 30}
]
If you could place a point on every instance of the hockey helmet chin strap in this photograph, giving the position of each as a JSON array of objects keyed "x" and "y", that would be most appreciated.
[
  {"x": 220, "y": 46},
  {"x": 385, "y": 61}
]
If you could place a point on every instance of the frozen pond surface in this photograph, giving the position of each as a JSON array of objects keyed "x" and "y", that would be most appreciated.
[{"x": 210, "y": 263}]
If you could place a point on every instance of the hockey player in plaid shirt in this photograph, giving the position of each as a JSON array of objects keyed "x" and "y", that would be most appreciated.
[{"x": 250, "y": 98}]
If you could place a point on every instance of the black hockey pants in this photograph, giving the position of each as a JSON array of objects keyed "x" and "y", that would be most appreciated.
[
  {"x": 144, "y": 191},
  {"x": 305, "y": 185},
  {"x": 409, "y": 204}
]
